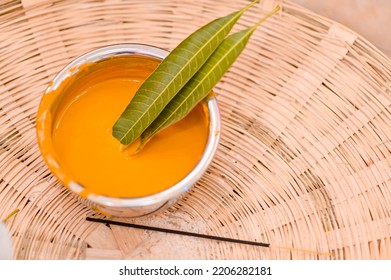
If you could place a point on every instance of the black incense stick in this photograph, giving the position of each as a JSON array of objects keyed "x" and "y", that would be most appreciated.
[
  {"x": 166, "y": 230},
  {"x": 186, "y": 233}
]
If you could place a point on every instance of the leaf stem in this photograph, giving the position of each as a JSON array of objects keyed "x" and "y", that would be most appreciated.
[{"x": 275, "y": 10}]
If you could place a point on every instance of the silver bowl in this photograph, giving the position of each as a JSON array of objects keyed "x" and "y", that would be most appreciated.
[{"x": 118, "y": 206}]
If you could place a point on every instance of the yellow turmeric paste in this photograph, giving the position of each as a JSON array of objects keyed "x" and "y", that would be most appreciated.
[{"x": 85, "y": 148}]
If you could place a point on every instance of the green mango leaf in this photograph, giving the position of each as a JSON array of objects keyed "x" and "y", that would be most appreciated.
[
  {"x": 170, "y": 76},
  {"x": 202, "y": 82}
]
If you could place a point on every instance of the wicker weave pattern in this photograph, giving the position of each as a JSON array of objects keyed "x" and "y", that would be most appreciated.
[{"x": 305, "y": 155}]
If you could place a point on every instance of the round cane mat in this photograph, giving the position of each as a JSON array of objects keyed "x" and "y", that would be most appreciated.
[{"x": 305, "y": 152}]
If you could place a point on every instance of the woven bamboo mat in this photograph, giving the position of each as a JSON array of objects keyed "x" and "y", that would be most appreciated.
[{"x": 305, "y": 154}]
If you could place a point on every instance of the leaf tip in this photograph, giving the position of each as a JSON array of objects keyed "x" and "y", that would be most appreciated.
[{"x": 132, "y": 148}]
